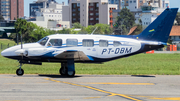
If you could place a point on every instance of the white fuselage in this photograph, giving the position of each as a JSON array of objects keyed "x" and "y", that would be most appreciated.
[{"x": 90, "y": 46}]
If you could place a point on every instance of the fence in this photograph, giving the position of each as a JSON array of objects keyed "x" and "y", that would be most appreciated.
[{"x": 4, "y": 46}]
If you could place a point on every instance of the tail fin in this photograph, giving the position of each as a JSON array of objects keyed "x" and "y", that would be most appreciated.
[{"x": 159, "y": 30}]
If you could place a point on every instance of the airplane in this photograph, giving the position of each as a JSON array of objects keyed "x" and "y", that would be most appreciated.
[{"x": 69, "y": 49}]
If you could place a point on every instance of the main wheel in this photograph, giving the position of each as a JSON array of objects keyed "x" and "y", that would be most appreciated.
[
  {"x": 70, "y": 73},
  {"x": 63, "y": 71},
  {"x": 19, "y": 72}
]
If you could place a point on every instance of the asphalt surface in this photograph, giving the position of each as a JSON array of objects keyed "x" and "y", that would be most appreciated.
[{"x": 89, "y": 88}]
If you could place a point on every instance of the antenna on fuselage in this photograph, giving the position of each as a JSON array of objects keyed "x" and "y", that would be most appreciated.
[{"x": 94, "y": 31}]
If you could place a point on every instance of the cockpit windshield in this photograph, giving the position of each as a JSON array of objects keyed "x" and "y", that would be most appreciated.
[{"x": 43, "y": 41}]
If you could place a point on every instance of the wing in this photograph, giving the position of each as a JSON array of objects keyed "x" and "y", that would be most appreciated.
[{"x": 72, "y": 54}]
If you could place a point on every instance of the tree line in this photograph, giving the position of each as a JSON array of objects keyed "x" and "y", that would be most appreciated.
[{"x": 32, "y": 33}]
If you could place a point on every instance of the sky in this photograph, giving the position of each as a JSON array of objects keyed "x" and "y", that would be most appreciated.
[{"x": 173, "y": 4}]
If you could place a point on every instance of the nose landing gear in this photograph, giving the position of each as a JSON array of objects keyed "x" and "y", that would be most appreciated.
[{"x": 20, "y": 71}]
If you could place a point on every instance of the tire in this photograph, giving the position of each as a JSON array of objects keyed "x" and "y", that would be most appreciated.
[
  {"x": 19, "y": 72},
  {"x": 63, "y": 71},
  {"x": 70, "y": 73}
]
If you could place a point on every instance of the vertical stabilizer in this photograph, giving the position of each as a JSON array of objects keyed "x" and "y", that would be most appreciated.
[{"x": 160, "y": 28}]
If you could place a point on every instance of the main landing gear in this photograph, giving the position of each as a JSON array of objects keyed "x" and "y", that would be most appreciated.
[
  {"x": 67, "y": 69},
  {"x": 20, "y": 71}
]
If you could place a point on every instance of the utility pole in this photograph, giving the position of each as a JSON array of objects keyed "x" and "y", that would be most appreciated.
[
  {"x": 17, "y": 9},
  {"x": 17, "y": 37},
  {"x": 121, "y": 26}
]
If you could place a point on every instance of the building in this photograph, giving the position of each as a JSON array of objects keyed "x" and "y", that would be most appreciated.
[
  {"x": 142, "y": 9},
  {"x": 175, "y": 36},
  {"x": 135, "y": 5},
  {"x": 51, "y": 17},
  {"x": 127, "y": 3},
  {"x": 165, "y": 4},
  {"x": 52, "y": 12},
  {"x": 148, "y": 11},
  {"x": 89, "y": 12},
  {"x": 148, "y": 18},
  {"x": 37, "y": 5},
  {"x": 115, "y": 14},
  {"x": 119, "y": 3},
  {"x": 12, "y": 9}
]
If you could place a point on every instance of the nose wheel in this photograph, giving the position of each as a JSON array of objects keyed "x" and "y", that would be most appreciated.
[{"x": 20, "y": 71}]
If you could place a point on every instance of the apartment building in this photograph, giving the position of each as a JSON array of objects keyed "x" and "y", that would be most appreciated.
[
  {"x": 51, "y": 17},
  {"x": 151, "y": 10},
  {"x": 165, "y": 4},
  {"x": 135, "y": 5},
  {"x": 88, "y": 12},
  {"x": 52, "y": 12},
  {"x": 146, "y": 10},
  {"x": 119, "y": 3},
  {"x": 12, "y": 9},
  {"x": 37, "y": 5}
]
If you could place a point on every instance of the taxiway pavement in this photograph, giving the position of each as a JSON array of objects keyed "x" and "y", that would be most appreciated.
[{"x": 89, "y": 88}]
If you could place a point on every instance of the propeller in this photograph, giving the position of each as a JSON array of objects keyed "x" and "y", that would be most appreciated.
[
  {"x": 22, "y": 52},
  {"x": 21, "y": 42},
  {"x": 21, "y": 48}
]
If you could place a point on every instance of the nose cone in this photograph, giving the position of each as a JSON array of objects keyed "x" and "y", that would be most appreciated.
[
  {"x": 16, "y": 50},
  {"x": 10, "y": 51},
  {"x": 5, "y": 53}
]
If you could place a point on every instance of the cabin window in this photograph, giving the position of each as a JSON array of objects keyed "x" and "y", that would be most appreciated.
[
  {"x": 43, "y": 41},
  {"x": 55, "y": 42},
  {"x": 88, "y": 43},
  {"x": 116, "y": 43},
  {"x": 71, "y": 42},
  {"x": 103, "y": 43}
]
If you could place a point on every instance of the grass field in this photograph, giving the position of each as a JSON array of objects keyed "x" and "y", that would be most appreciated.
[
  {"x": 142, "y": 64},
  {"x": 145, "y": 64},
  {"x": 5, "y": 42}
]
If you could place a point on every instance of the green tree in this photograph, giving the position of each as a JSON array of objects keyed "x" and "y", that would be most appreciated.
[
  {"x": 21, "y": 26},
  {"x": 77, "y": 25},
  {"x": 30, "y": 32},
  {"x": 101, "y": 29},
  {"x": 64, "y": 31},
  {"x": 38, "y": 34},
  {"x": 169, "y": 40},
  {"x": 1, "y": 18},
  {"x": 83, "y": 31},
  {"x": 178, "y": 18},
  {"x": 139, "y": 28},
  {"x": 125, "y": 21},
  {"x": 90, "y": 29}
]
